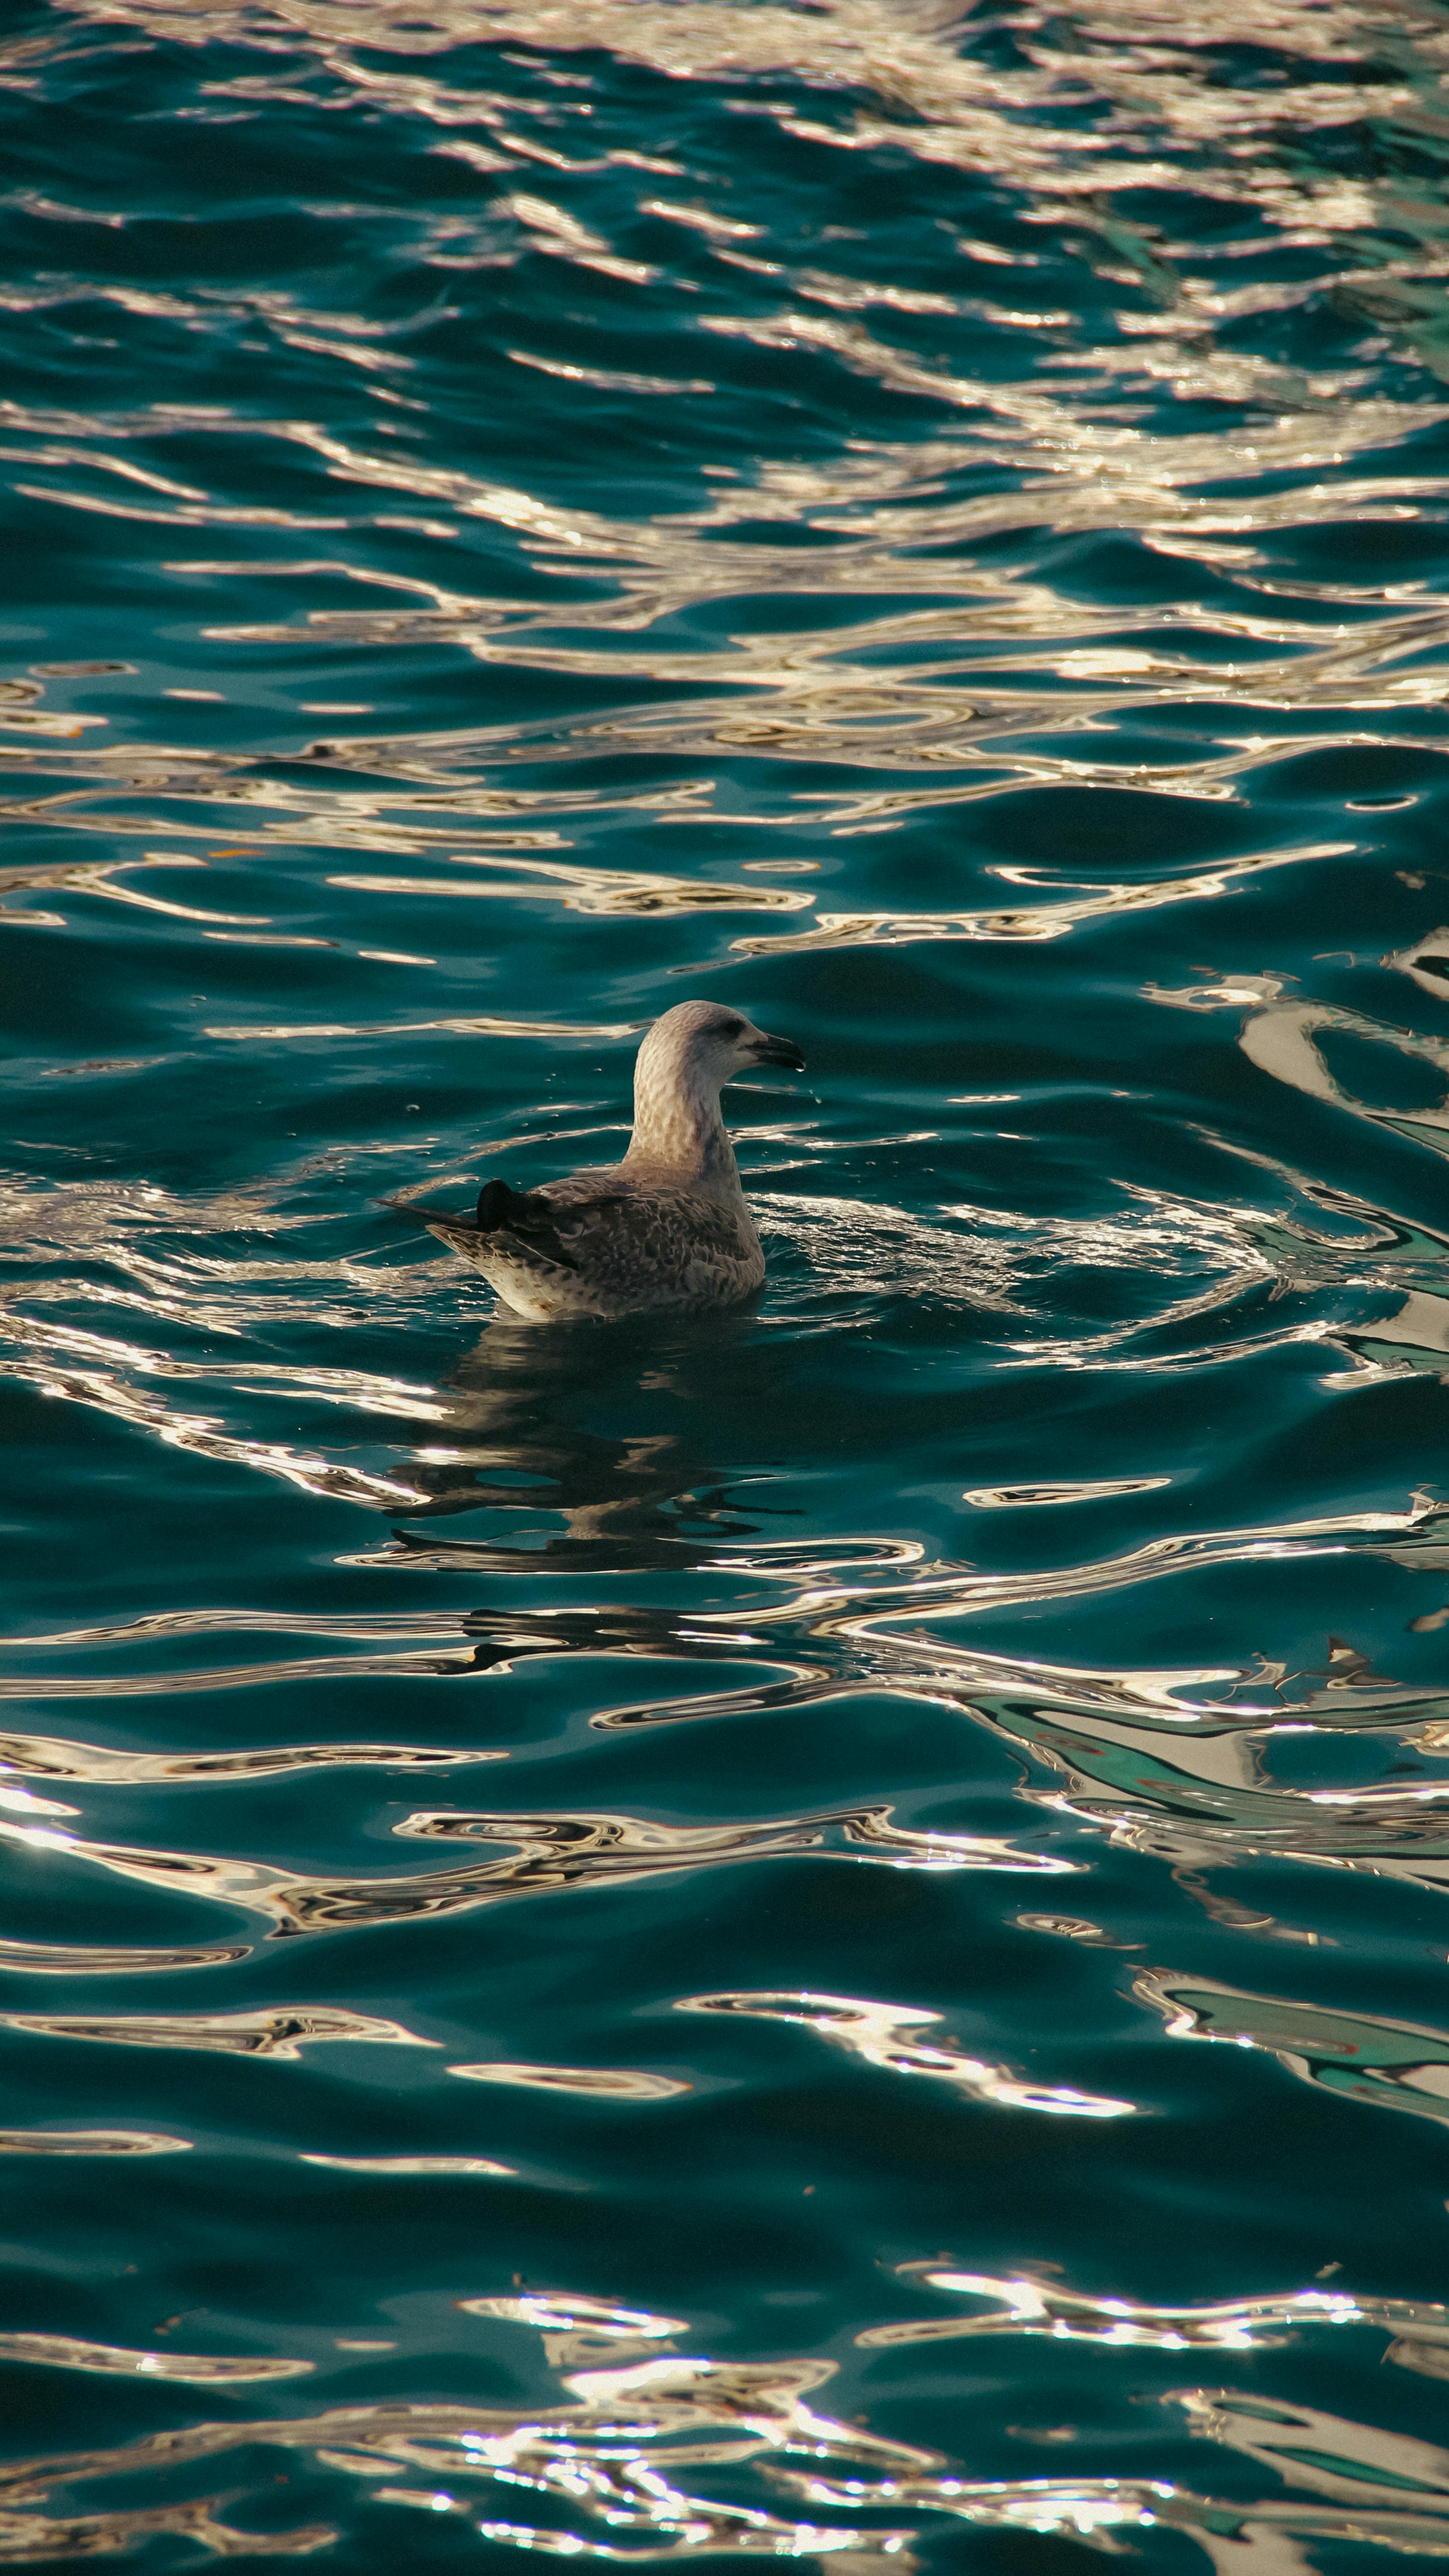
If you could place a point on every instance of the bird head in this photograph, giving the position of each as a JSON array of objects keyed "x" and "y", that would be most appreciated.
[{"x": 704, "y": 1045}]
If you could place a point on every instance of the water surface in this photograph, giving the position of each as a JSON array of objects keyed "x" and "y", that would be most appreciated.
[{"x": 932, "y": 530}]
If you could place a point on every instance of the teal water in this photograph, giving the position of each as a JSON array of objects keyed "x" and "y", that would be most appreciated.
[{"x": 933, "y": 530}]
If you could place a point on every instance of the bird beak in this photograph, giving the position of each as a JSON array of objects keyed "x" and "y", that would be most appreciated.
[{"x": 781, "y": 1051}]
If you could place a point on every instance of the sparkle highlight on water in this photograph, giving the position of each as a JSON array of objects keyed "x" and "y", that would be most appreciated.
[{"x": 925, "y": 525}]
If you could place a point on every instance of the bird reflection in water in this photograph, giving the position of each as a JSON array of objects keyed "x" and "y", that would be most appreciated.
[{"x": 603, "y": 1427}]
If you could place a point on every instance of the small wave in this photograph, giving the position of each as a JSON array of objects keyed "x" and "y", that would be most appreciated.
[
  {"x": 593, "y": 2083},
  {"x": 90, "y": 2142},
  {"x": 383, "y": 2165},
  {"x": 890, "y": 2036},
  {"x": 278, "y": 2033},
  {"x": 192, "y": 2369}
]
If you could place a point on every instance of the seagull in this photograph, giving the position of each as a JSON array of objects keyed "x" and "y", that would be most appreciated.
[{"x": 666, "y": 1227}]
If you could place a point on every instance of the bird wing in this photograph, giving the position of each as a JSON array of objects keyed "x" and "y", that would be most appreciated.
[
  {"x": 537, "y": 1225},
  {"x": 552, "y": 1229},
  {"x": 641, "y": 1231},
  {"x": 460, "y": 1220},
  {"x": 631, "y": 1230}
]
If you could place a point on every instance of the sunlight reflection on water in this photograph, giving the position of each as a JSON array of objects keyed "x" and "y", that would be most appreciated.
[{"x": 928, "y": 523}]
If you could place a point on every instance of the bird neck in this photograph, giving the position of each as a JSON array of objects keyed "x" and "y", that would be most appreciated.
[{"x": 678, "y": 1130}]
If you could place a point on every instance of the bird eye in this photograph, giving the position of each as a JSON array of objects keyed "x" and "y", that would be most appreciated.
[{"x": 730, "y": 1028}]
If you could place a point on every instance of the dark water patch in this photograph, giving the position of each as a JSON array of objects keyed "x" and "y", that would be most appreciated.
[{"x": 929, "y": 530}]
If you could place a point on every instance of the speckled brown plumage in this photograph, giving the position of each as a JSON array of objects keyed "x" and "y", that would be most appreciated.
[{"x": 666, "y": 1227}]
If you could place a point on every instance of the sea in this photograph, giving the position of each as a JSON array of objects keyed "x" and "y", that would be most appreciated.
[{"x": 928, "y": 526}]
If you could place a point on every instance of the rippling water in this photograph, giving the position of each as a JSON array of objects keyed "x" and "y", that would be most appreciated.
[{"x": 933, "y": 529}]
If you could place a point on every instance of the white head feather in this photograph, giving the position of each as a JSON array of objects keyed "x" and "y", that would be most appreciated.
[{"x": 683, "y": 1065}]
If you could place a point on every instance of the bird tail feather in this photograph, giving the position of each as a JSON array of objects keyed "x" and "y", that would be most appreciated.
[{"x": 520, "y": 1222}]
